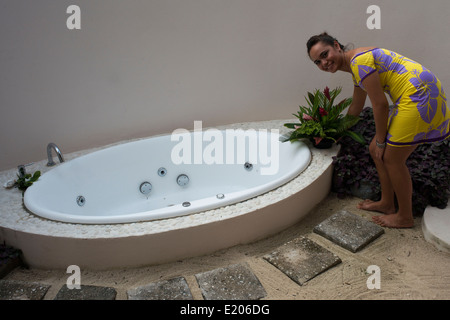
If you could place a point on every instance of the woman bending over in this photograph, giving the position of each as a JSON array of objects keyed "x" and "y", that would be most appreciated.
[{"x": 420, "y": 115}]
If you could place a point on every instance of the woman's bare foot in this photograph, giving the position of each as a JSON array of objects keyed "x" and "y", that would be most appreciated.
[
  {"x": 377, "y": 206},
  {"x": 393, "y": 221}
]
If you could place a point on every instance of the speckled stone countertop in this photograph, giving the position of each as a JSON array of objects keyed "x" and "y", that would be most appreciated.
[{"x": 13, "y": 214}]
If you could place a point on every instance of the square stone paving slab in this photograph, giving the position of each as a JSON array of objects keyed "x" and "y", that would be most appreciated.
[
  {"x": 302, "y": 259},
  {"x": 172, "y": 289},
  {"x": 235, "y": 282},
  {"x": 20, "y": 290},
  {"x": 348, "y": 230},
  {"x": 86, "y": 292}
]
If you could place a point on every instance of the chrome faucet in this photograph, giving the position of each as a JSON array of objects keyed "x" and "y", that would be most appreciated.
[{"x": 51, "y": 146}]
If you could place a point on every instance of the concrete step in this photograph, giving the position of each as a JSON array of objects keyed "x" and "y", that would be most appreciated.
[
  {"x": 20, "y": 290},
  {"x": 86, "y": 293},
  {"x": 235, "y": 282},
  {"x": 302, "y": 259},
  {"x": 172, "y": 289},
  {"x": 349, "y": 230}
]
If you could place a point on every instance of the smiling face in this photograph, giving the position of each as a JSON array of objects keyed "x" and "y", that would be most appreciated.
[{"x": 327, "y": 58}]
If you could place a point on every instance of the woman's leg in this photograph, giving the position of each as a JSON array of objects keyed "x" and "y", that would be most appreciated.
[
  {"x": 386, "y": 204},
  {"x": 394, "y": 161}
]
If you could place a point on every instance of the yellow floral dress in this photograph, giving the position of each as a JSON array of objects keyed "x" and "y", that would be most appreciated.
[{"x": 420, "y": 112}]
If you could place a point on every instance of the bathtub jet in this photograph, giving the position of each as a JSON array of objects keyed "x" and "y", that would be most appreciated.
[{"x": 232, "y": 146}]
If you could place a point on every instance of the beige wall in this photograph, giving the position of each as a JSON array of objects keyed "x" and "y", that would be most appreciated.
[{"x": 139, "y": 68}]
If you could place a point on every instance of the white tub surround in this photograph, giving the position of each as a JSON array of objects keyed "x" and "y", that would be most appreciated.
[{"x": 50, "y": 244}]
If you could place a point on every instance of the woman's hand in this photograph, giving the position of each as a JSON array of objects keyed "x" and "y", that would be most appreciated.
[{"x": 376, "y": 151}]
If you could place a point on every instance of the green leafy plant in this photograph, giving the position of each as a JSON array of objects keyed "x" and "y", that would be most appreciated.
[
  {"x": 322, "y": 119},
  {"x": 429, "y": 166},
  {"x": 26, "y": 180}
]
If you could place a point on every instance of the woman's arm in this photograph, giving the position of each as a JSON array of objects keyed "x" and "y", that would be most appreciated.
[
  {"x": 380, "y": 107},
  {"x": 358, "y": 101}
]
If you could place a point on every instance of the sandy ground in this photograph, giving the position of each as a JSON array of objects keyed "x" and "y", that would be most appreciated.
[{"x": 411, "y": 268}]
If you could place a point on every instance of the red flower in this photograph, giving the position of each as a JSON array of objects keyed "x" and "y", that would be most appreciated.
[
  {"x": 317, "y": 140},
  {"x": 326, "y": 92},
  {"x": 323, "y": 112}
]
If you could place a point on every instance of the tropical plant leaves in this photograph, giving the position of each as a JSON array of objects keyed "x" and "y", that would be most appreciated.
[{"x": 320, "y": 118}]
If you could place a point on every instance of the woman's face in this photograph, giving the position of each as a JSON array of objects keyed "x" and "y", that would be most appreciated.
[{"x": 327, "y": 58}]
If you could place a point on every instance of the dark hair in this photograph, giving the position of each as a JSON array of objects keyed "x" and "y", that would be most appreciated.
[{"x": 323, "y": 37}]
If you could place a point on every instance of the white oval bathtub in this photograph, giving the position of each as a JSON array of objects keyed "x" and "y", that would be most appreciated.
[{"x": 222, "y": 168}]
